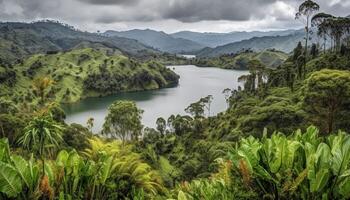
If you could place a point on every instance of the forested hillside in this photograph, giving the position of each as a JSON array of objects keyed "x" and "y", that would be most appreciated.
[
  {"x": 240, "y": 60},
  {"x": 284, "y": 43},
  {"x": 19, "y": 40},
  {"x": 91, "y": 72}
]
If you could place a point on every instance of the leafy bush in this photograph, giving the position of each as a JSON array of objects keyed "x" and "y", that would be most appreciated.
[{"x": 301, "y": 166}]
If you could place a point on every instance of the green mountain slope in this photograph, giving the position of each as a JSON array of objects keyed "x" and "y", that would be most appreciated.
[
  {"x": 19, "y": 40},
  {"x": 84, "y": 73},
  {"x": 159, "y": 40},
  {"x": 281, "y": 43},
  {"x": 269, "y": 58}
]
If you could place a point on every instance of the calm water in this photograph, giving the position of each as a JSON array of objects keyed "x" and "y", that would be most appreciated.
[{"x": 195, "y": 82}]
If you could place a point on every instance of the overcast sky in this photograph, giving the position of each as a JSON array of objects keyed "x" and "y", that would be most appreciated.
[{"x": 167, "y": 15}]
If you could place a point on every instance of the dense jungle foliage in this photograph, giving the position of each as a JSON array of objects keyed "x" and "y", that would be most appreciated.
[{"x": 283, "y": 136}]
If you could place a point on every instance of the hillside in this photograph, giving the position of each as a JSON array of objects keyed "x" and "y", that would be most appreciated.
[
  {"x": 218, "y": 39},
  {"x": 19, "y": 40},
  {"x": 83, "y": 73},
  {"x": 269, "y": 58},
  {"x": 159, "y": 40},
  {"x": 281, "y": 43}
]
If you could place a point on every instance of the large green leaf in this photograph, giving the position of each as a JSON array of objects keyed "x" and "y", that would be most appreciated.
[
  {"x": 21, "y": 166},
  {"x": 320, "y": 180},
  {"x": 10, "y": 181}
]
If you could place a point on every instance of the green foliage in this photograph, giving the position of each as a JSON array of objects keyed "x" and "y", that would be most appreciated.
[
  {"x": 76, "y": 136},
  {"x": 161, "y": 125},
  {"x": 19, "y": 40},
  {"x": 110, "y": 171},
  {"x": 327, "y": 94},
  {"x": 7, "y": 106},
  {"x": 123, "y": 121},
  {"x": 40, "y": 134},
  {"x": 92, "y": 72},
  {"x": 301, "y": 166},
  {"x": 269, "y": 58},
  {"x": 197, "y": 109},
  {"x": 11, "y": 127},
  {"x": 222, "y": 185}
]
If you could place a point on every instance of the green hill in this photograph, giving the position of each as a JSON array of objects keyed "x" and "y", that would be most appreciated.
[
  {"x": 84, "y": 73},
  {"x": 269, "y": 58},
  {"x": 20, "y": 40}
]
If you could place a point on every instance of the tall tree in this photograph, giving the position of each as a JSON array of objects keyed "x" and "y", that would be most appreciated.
[
  {"x": 206, "y": 101},
  {"x": 227, "y": 92},
  {"x": 318, "y": 21},
  {"x": 196, "y": 109},
  {"x": 123, "y": 121},
  {"x": 314, "y": 50},
  {"x": 298, "y": 59},
  {"x": 90, "y": 123},
  {"x": 305, "y": 12},
  {"x": 161, "y": 125},
  {"x": 327, "y": 92}
]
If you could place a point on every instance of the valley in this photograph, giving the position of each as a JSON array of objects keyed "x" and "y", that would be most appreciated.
[{"x": 174, "y": 100}]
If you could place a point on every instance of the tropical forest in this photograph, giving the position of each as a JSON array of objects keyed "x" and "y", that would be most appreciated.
[{"x": 167, "y": 100}]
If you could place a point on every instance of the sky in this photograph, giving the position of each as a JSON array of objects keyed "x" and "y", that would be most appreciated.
[{"x": 167, "y": 15}]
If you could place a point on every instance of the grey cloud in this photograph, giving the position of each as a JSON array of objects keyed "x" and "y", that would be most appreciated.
[
  {"x": 110, "y": 2},
  {"x": 198, "y": 10},
  {"x": 106, "y": 12}
]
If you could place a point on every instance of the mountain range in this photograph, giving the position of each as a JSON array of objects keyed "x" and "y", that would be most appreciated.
[
  {"x": 18, "y": 40},
  {"x": 218, "y": 39},
  {"x": 159, "y": 40},
  {"x": 213, "y": 44}
]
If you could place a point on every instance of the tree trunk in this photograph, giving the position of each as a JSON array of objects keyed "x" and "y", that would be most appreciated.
[{"x": 331, "y": 117}]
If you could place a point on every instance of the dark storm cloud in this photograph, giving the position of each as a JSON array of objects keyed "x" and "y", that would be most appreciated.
[{"x": 255, "y": 13}]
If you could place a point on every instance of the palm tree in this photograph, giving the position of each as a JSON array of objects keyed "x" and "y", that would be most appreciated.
[{"x": 41, "y": 132}]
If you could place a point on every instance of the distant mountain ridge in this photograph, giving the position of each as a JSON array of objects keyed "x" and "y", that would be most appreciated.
[
  {"x": 282, "y": 43},
  {"x": 158, "y": 40},
  {"x": 219, "y": 39}
]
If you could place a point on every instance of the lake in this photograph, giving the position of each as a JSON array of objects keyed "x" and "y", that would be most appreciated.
[{"x": 195, "y": 83}]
